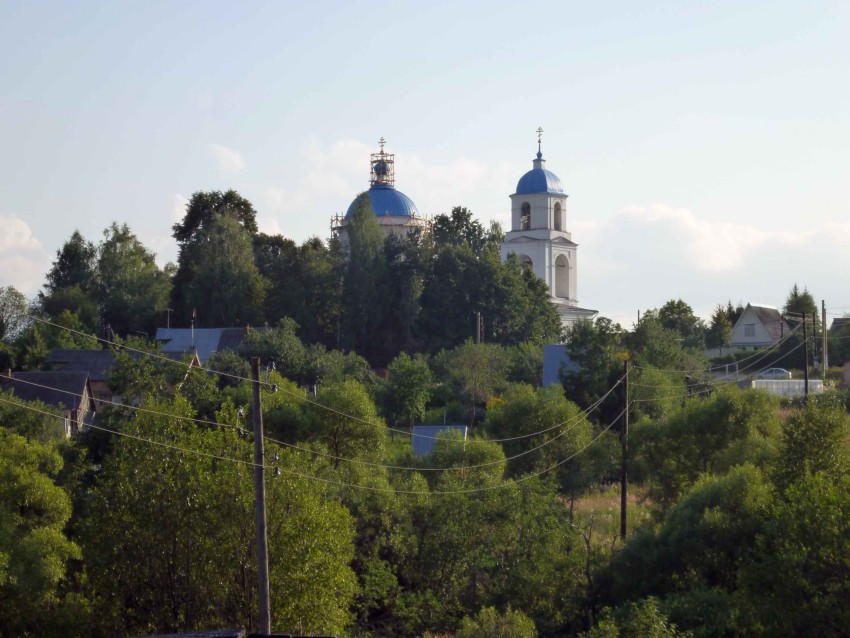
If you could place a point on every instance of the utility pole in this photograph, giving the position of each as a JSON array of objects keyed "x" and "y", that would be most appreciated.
[
  {"x": 825, "y": 340},
  {"x": 806, "y": 356},
  {"x": 478, "y": 327},
  {"x": 624, "y": 452},
  {"x": 264, "y": 620}
]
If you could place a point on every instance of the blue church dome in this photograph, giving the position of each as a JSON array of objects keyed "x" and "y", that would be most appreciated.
[
  {"x": 386, "y": 202},
  {"x": 539, "y": 180}
]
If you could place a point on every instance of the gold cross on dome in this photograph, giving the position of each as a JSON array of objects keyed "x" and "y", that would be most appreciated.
[
  {"x": 381, "y": 142},
  {"x": 539, "y": 134}
]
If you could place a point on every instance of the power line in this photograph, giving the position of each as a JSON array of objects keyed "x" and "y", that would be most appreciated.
[{"x": 487, "y": 488}]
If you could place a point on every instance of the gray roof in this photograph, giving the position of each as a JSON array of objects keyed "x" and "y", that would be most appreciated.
[
  {"x": 425, "y": 436},
  {"x": 205, "y": 341},
  {"x": 98, "y": 363},
  {"x": 51, "y": 388}
]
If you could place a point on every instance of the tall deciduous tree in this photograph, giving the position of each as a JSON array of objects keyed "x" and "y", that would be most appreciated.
[
  {"x": 206, "y": 207},
  {"x": 220, "y": 280},
  {"x": 74, "y": 266},
  {"x": 131, "y": 289},
  {"x": 364, "y": 302}
]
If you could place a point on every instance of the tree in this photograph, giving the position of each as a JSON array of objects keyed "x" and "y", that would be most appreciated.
[
  {"x": 204, "y": 208},
  {"x": 719, "y": 333},
  {"x": 642, "y": 619},
  {"x": 458, "y": 227},
  {"x": 678, "y": 316},
  {"x": 169, "y": 539},
  {"x": 814, "y": 440},
  {"x": 595, "y": 349},
  {"x": 363, "y": 288},
  {"x": 34, "y": 551},
  {"x": 408, "y": 387},
  {"x": 221, "y": 285},
  {"x": 705, "y": 436},
  {"x": 75, "y": 265},
  {"x": 489, "y": 622},
  {"x": 345, "y": 421},
  {"x": 799, "y": 302},
  {"x": 132, "y": 291},
  {"x": 800, "y": 582},
  {"x": 13, "y": 314},
  {"x": 474, "y": 373}
]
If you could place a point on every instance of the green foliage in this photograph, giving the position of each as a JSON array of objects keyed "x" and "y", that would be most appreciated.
[
  {"x": 642, "y": 619},
  {"x": 679, "y": 317},
  {"x": 363, "y": 294},
  {"x": 705, "y": 436},
  {"x": 800, "y": 582},
  {"x": 345, "y": 421},
  {"x": 490, "y": 623},
  {"x": 169, "y": 543},
  {"x": 523, "y": 411},
  {"x": 719, "y": 334},
  {"x": 814, "y": 440},
  {"x": 75, "y": 265},
  {"x": 696, "y": 557},
  {"x": 131, "y": 290},
  {"x": 594, "y": 347},
  {"x": 34, "y": 551},
  {"x": 473, "y": 373},
  {"x": 408, "y": 388},
  {"x": 205, "y": 208},
  {"x": 13, "y": 314},
  {"x": 799, "y": 302}
]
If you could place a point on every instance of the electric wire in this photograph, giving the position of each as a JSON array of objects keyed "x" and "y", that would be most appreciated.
[
  {"x": 485, "y": 488},
  {"x": 564, "y": 425},
  {"x": 299, "y": 396}
]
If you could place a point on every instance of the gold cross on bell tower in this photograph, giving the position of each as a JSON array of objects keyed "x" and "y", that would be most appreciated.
[
  {"x": 381, "y": 143},
  {"x": 539, "y": 134}
]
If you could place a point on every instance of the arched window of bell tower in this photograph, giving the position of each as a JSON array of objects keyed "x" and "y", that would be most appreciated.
[
  {"x": 562, "y": 277},
  {"x": 525, "y": 216},
  {"x": 559, "y": 221},
  {"x": 525, "y": 262}
]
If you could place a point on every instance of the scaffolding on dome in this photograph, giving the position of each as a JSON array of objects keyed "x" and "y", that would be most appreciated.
[{"x": 382, "y": 167}]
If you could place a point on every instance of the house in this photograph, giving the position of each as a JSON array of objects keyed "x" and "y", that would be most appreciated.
[
  {"x": 758, "y": 327},
  {"x": 98, "y": 364},
  {"x": 201, "y": 341},
  {"x": 69, "y": 391}
]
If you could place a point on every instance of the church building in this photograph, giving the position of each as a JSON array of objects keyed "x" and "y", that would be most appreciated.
[
  {"x": 540, "y": 240},
  {"x": 538, "y": 235}
]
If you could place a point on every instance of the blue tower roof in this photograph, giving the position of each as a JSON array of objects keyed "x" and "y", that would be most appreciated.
[
  {"x": 386, "y": 202},
  {"x": 539, "y": 180}
]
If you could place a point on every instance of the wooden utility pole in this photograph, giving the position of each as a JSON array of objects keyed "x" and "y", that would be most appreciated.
[
  {"x": 825, "y": 340},
  {"x": 624, "y": 442},
  {"x": 806, "y": 356},
  {"x": 264, "y": 620},
  {"x": 477, "y": 327}
]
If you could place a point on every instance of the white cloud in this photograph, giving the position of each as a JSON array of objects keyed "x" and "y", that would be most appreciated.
[
  {"x": 23, "y": 260},
  {"x": 227, "y": 159},
  {"x": 178, "y": 207},
  {"x": 269, "y": 226},
  {"x": 646, "y": 255}
]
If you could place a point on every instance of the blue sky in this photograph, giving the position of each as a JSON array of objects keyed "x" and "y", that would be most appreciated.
[{"x": 705, "y": 146}]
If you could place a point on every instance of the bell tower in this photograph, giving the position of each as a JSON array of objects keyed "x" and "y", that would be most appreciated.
[{"x": 539, "y": 236}]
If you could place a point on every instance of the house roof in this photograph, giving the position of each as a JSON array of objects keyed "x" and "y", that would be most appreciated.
[
  {"x": 97, "y": 363},
  {"x": 52, "y": 388},
  {"x": 770, "y": 319},
  {"x": 839, "y": 324},
  {"x": 204, "y": 341}
]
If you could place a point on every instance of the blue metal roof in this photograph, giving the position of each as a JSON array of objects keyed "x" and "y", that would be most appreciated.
[
  {"x": 424, "y": 437},
  {"x": 539, "y": 180},
  {"x": 386, "y": 202}
]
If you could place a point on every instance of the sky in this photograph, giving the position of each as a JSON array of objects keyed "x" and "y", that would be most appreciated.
[{"x": 705, "y": 147}]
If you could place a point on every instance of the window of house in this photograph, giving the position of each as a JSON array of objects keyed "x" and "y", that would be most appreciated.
[
  {"x": 525, "y": 216},
  {"x": 749, "y": 330}
]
